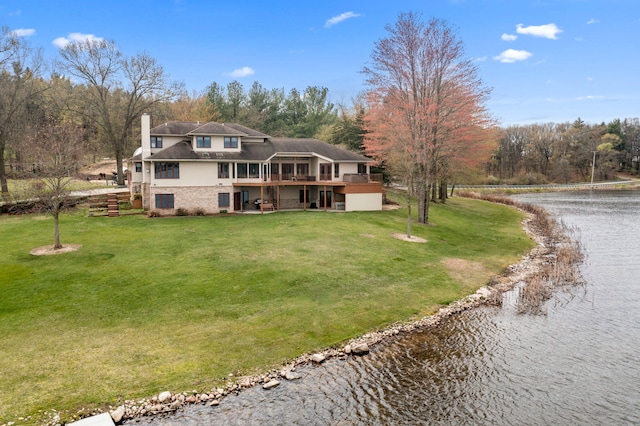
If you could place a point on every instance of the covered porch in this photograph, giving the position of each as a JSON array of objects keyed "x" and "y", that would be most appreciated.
[{"x": 289, "y": 195}]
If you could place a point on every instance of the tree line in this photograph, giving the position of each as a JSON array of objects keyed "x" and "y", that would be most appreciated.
[{"x": 565, "y": 152}]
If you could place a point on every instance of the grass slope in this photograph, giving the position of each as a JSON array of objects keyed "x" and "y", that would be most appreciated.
[{"x": 178, "y": 303}]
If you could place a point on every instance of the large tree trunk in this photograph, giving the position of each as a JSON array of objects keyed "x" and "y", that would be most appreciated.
[
  {"x": 443, "y": 191},
  {"x": 119, "y": 168},
  {"x": 423, "y": 202}
]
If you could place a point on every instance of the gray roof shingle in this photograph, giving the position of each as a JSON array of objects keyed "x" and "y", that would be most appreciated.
[
  {"x": 263, "y": 151},
  {"x": 315, "y": 146},
  {"x": 180, "y": 151},
  {"x": 175, "y": 128},
  {"x": 251, "y": 151},
  {"x": 216, "y": 129}
]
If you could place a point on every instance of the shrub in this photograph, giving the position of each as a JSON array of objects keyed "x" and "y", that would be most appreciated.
[
  {"x": 491, "y": 180},
  {"x": 528, "y": 179},
  {"x": 182, "y": 212}
]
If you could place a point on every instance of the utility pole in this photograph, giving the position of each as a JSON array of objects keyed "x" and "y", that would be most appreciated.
[{"x": 593, "y": 167}]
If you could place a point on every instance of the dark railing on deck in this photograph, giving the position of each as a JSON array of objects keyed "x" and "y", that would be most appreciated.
[{"x": 355, "y": 177}]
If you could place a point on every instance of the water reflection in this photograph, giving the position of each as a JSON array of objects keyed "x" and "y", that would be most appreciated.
[{"x": 579, "y": 364}]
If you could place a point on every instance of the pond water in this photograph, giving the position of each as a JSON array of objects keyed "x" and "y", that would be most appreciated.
[{"x": 579, "y": 364}]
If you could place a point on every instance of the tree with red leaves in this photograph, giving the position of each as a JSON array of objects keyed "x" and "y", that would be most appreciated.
[{"x": 425, "y": 113}]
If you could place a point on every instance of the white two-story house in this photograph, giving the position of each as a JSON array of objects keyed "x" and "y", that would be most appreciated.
[{"x": 216, "y": 167}]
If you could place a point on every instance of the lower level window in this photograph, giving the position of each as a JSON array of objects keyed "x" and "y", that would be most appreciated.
[
  {"x": 224, "y": 200},
  {"x": 164, "y": 201}
]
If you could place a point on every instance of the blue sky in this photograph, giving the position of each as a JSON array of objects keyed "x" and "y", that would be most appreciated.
[{"x": 546, "y": 60}]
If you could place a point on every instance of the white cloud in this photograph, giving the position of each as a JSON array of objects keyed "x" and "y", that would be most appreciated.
[
  {"x": 342, "y": 17},
  {"x": 62, "y": 42},
  {"x": 242, "y": 72},
  {"x": 589, "y": 98},
  {"x": 23, "y": 32},
  {"x": 511, "y": 55},
  {"x": 592, "y": 21},
  {"x": 509, "y": 37},
  {"x": 547, "y": 31}
]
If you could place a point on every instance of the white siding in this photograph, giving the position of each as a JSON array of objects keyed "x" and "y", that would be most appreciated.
[{"x": 363, "y": 202}]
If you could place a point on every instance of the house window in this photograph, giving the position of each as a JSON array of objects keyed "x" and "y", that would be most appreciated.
[
  {"x": 156, "y": 141},
  {"x": 302, "y": 170},
  {"x": 254, "y": 170},
  {"x": 325, "y": 171},
  {"x": 223, "y": 170},
  {"x": 138, "y": 167},
  {"x": 325, "y": 196},
  {"x": 304, "y": 196},
  {"x": 230, "y": 141},
  {"x": 224, "y": 199},
  {"x": 167, "y": 170},
  {"x": 362, "y": 168},
  {"x": 336, "y": 170},
  {"x": 242, "y": 170},
  {"x": 164, "y": 201},
  {"x": 287, "y": 171},
  {"x": 203, "y": 141}
]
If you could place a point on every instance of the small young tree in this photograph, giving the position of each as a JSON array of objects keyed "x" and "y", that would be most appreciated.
[{"x": 56, "y": 151}]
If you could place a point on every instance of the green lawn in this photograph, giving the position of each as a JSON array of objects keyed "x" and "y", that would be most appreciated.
[{"x": 152, "y": 304}]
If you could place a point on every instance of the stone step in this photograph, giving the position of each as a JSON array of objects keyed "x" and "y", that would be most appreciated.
[{"x": 103, "y": 419}]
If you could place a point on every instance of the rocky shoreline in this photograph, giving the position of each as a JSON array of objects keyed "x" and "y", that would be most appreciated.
[{"x": 167, "y": 402}]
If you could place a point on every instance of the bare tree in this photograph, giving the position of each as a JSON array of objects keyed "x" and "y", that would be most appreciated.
[
  {"x": 437, "y": 91},
  {"x": 192, "y": 107},
  {"x": 120, "y": 89},
  {"x": 20, "y": 68},
  {"x": 56, "y": 153}
]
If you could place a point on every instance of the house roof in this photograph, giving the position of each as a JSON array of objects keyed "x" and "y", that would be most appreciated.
[
  {"x": 180, "y": 151},
  {"x": 213, "y": 128},
  {"x": 179, "y": 128},
  {"x": 251, "y": 151},
  {"x": 314, "y": 146},
  {"x": 263, "y": 151},
  {"x": 247, "y": 130}
]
